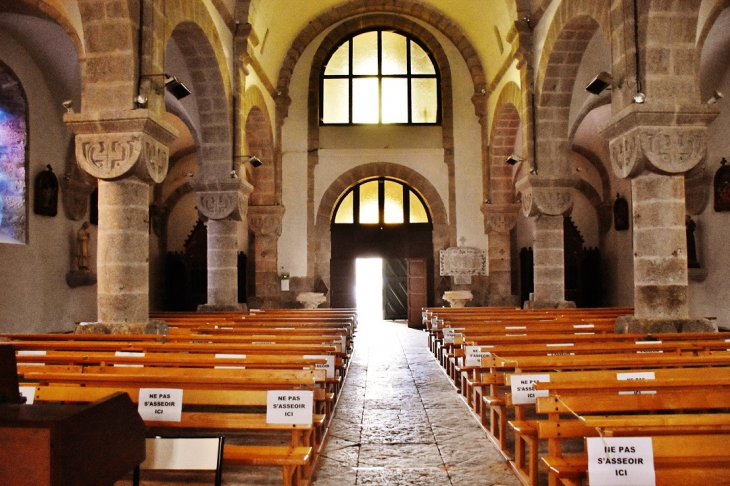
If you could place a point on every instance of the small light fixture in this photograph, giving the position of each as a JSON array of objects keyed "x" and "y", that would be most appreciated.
[
  {"x": 639, "y": 98},
  {"x": 601, "y": 82},
  {"x": 513, "y": 159},
  {"x": 140, "y": 101},
  {"x": 234, "y": 175},
  {"x": 716, "y": 96},
  {"x": 68, "y": 104}
]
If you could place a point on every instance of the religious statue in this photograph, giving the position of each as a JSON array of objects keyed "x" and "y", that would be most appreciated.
[
  {"x": 82, "y": 247},
  {"x": 690, "y": 226}
]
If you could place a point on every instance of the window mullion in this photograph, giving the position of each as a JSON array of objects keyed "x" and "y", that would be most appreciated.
[
  {"x": 350, "y": 73},
  {"x": 380, "y": 78},
  {"x": 408, "y": 80},
  {"x": 381, "y": 201}
]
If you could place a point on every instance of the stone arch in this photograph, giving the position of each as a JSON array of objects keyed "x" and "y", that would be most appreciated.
[
  {"x": 260, "y": 143},
  {"x": 565, "y": 44},
  {"x": 212, "y": 92},
  {"x": 381, "y": 169},
  {"x": 48, "y": 10},
  {"x": 320, "y": 239},
  {"x": 508, "y": 116},
  {"x": 706, "y": 23},
  {"x": 447, "y": 119},
  {"x": 407, "y": 8}
]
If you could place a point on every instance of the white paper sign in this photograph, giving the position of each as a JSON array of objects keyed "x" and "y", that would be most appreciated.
[
  {"x": 129, "y": 353},
  {"x": 289, "y": 406},
  {"x": 620, "y": 461},
  {"x": 583, "y": 326},
  {"x": 28, "y": 392},
  {"x": 329, "y": 366},
  {"x": 474, "y": 355},
  {"x": 523, "y": 388},
  {"x": 32, "y": 353},
  {"x": 230, "y": 356},
  {"x": 163, "y": 404},
  {"x": 638, "y": 375},
  {"x": 511, "y": 328}
]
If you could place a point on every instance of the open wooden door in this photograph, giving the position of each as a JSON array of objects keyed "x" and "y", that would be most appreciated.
[
  {"x": 395, "y": 288},
  {"x": 342, "y": 278},
  {"x": 417, "y": 290}
]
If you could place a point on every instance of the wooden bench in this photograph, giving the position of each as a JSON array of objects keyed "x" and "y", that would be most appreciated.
[
  {"x": 296, "y": 459},
  {"x": 574, "y": 396}
]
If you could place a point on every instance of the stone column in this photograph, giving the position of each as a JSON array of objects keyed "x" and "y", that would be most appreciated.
[
  {"x": 548, "y": 200},
  {"x": 499, "y": 220},
  {"x": 655, "y": 149},
  {"x": 224, "y": 206},
  {"x": 126, "y": 151},
  {"x": 265, "y": 223}
]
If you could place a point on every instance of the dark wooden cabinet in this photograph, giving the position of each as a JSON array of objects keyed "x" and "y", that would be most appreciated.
[{"x": 70, "y": 445}]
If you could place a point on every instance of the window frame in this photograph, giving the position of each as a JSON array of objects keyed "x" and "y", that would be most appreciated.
[
  {"x": 355, "y": 191},
  {"x": 408, "y": 77}
]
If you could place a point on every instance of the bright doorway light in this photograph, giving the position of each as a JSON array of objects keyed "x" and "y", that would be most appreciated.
[{"x": 369, "y": 288}]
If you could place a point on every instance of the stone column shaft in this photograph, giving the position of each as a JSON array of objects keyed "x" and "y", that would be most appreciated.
[
  {"x": 123, "y": 252},
  {"x": 499, "y": 219},
  {"x": 224, "y": 205},
  {"x": 500, "y": 266},
  {"x": 548, "y": 200},
  {"x": 265, "y": 223},
  {"x": 222, "y": 262},
  {"x": 660, "y": 247},
  {"x": 549, "y": 259}
]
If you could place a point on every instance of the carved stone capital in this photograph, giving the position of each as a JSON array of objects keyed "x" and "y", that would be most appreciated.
[
  {"x": 549, "y": 196},
  {"x": 224, "y": 200},
  {"x": 479, "y": 100},
  {"x": 121, "y": 144},
  {"x": 500, "y": 218},
  {"x": 665, "y": 142},
  {"x": 265, "y": 220},
  {"x": 283, "y": 101}
]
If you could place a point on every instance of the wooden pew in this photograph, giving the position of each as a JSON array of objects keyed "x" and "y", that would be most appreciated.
[
  {"x": 296, "y": 459},
  {"x": 575, "y": 396}
]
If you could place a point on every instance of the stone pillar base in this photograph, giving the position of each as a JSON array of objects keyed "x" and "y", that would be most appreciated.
[
  {"x": 631, "y": 324},
  {"x": 152, "y": 327},
  {"x": 222, "y": 308},
  {"x": 503, "y": 301},
  {"x": 548, "y": 304}
]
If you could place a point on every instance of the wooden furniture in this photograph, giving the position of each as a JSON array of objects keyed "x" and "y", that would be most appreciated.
[{"x": 70, "y": 445}]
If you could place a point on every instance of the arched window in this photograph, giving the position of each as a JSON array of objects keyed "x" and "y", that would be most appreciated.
[
  {"x": 380, "y": 76},
  {"x": 381, "y": 201},
  {"x": 13, "y": 166}
]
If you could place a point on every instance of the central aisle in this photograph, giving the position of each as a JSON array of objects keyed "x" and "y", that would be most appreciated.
[{"x": 399, "y": 421}]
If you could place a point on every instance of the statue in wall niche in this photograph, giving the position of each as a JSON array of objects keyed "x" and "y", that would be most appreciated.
[
  {"x": 690, "y": 226},
  {"x": 82, "y": 274},
  {"x": 82, "y": 247}
]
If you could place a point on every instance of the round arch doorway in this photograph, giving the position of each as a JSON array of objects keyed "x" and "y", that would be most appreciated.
[{"x": 383, "y": 218}]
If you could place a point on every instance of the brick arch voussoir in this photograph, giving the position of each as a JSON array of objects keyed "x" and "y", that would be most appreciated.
[
  {"x": 571, "y": 14},
  {"x": 405, "y": 8},
  {"x": 212, "y": 91},
  {"x": 357, "y": 174},
  {"x": 53, "y": 14}
]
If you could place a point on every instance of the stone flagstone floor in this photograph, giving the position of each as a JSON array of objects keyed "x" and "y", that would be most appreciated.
[{"x": 399, "y": 422}]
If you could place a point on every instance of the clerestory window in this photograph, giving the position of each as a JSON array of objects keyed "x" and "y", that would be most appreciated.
[
  {"x": 380, "y": 77},
  {"x": 381, "y": 201}
]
